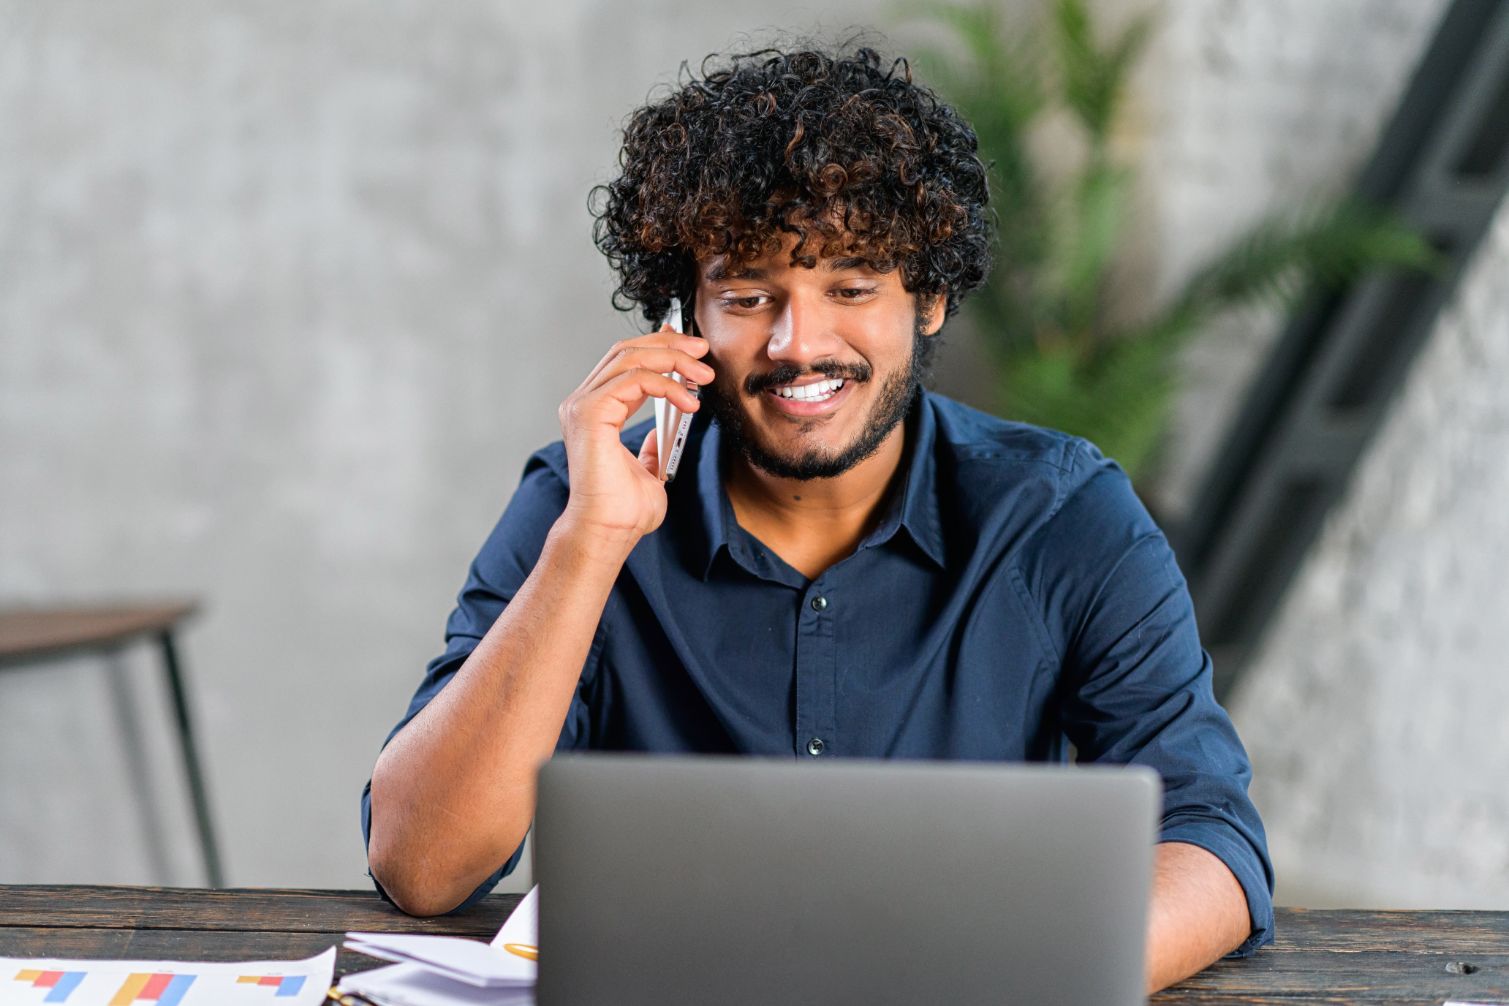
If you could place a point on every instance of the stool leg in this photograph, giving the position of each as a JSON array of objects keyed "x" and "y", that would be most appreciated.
[
  {"x": 147, "y": 796},
  {"x": 191, "y": 762}
]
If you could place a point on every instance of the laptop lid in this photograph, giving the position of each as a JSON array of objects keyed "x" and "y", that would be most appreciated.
[{"x": 741, "y": 880}]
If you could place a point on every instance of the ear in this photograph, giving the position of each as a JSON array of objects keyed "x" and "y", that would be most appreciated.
[{"x": 934, "y": 309}]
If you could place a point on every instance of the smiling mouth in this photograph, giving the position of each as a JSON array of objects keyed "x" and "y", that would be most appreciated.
[{"x": 818, "y": 391}]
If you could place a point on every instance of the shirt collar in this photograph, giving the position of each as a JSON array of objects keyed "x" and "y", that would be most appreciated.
[
  {"x": 712, "y": 501},
  {"x": 914, "y": 508}
]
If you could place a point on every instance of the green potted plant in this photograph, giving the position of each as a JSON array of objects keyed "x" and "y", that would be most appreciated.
[{"x": 1069, "y": 355}]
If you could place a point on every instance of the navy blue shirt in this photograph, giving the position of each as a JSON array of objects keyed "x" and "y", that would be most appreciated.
[{"x": 1014, "y": 598}]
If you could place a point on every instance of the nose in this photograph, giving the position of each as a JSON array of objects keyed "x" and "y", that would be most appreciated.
[{"x": 802, "y": 334}]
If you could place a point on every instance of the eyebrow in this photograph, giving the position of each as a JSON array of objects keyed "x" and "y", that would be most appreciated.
[{"x": 723, "y": 270}]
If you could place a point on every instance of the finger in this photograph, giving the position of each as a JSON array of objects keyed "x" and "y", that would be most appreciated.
[
  {"x": 661, "y": 359},
  {"x": 626, "y": 354},
  {"x": 649, "y": 453},
  {"x": 665, "y": 337},
  {"x": 620, "y": 397}
]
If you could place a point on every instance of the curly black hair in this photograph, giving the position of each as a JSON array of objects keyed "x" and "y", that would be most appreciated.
[{"x": 848, "y": 154}]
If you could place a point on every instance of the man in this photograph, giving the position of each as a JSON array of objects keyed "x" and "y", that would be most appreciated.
[{"x": 845, "y": 565}]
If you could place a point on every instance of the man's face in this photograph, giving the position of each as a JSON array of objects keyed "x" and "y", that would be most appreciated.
[{"x": 816, "y": 367}]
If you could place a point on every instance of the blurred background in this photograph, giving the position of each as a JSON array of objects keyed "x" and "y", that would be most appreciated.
[{"x": 288, "y": 292}]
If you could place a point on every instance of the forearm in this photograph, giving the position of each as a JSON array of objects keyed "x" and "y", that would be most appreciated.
[
  {"x": 1198, "y": 914},
  {"x": 453, "y": 792}
]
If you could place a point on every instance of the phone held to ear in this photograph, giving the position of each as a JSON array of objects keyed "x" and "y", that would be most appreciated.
[{"x": 671, "y": 424}]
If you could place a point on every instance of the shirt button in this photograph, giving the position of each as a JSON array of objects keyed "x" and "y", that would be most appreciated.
[
  {"x": 819, "y": 603},
  {"x": 815, "y": 746}
]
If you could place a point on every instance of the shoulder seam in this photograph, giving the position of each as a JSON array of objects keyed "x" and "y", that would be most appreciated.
[
  {"x": 1060, "y": 497},
  {"x": 1061, "y": 494}
]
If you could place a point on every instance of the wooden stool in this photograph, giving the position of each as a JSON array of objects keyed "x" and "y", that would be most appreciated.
[{"x": 34, "y": 635}]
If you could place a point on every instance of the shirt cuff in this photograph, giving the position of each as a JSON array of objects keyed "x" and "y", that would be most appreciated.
[{"x": 1218, "y": 840}]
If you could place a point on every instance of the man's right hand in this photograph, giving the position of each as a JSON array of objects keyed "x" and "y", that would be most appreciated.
[
  {"x": 612, "y": 491},
  {"x": 453, "y": 792}
]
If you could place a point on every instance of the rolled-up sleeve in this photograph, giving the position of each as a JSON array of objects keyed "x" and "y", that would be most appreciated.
[{"x": 1136, "y": 681}]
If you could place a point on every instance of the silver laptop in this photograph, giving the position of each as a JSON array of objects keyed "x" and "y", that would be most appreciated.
[{"x": 739, "y": 880}]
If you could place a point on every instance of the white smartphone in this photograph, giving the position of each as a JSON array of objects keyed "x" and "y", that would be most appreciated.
[{"x": 671, "y": 424}]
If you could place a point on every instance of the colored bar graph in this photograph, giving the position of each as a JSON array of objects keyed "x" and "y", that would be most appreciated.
[
  {"x": 130, "y": 990},
  {"x": 163, "y": 989},
  {"x": 59, "y": 983},
  {"x": 67, "y": 982},
  {"x": 287, "y": 986},
  {"x": 175, "y": 990}
]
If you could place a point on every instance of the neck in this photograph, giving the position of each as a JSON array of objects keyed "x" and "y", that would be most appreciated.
[{"x": 812, "y": 524}]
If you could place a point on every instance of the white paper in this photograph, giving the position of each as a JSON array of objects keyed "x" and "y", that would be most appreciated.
[
  {"x": 411, "y": 985},
  {"x": 522, "y": 927},
  {"x": 165, "y": 983},
  {"x": 463, "y": 960},
  {"x": 451, "y": 971}
]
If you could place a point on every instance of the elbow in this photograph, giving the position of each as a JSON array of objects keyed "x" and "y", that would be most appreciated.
[
  {"x": 421, "y": 903},
  {"x": 409, "y": 890},
  {"x": 401, "y": 869},
  {"x": 422, "y": 868}
]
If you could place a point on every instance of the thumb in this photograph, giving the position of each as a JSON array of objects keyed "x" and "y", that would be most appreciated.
[{"x": 649, "y": 453}]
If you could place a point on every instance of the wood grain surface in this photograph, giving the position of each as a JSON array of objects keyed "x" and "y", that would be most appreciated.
[
  {"x": 1363, "y": 957},
  {"x": 139, "y": 923}
]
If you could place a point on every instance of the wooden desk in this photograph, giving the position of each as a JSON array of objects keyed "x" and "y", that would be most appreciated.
[{"x": 1320, "y": 957}]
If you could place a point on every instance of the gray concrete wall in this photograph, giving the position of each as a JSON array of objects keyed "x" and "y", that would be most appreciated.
[
  {"x": 1257, "y": 107},
  {"x": 288, "y": 292},
  {"x": 1375, "y": 713}
]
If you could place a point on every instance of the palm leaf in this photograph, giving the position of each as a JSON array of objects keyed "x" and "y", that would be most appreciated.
[
  {"x": 1087, "y": 231},
  {"x": 1282, "y": 258},
  {"x": 1094, "y": 80},
  {"x": 1118, "y": 402},
  {"x": 1044, "y": 314},
  {"x": 999, "y": 90}
]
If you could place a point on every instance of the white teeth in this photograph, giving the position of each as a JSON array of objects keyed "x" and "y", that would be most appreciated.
[{"x": 811, "y": 392}]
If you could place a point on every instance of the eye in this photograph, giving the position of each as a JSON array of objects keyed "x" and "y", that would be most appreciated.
[
  {"x": 746, "y": 303},
  {"x": 854, "y": 292}
]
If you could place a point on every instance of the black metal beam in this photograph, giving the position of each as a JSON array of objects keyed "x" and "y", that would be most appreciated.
[{"x": 1443, "y": 165}]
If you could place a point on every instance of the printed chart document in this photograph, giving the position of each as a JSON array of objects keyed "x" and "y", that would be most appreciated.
[
  {"x": 450, "y": 971},
  {"x": 165, "y": 983}
]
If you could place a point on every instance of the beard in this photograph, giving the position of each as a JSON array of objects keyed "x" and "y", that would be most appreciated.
[{"x": 891, "y": 407}]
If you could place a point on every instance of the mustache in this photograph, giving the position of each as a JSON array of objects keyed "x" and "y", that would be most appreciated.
[{"x": 754, "y": 384}]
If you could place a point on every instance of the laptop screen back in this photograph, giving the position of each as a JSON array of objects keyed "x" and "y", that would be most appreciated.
[{"x": 740, "y": 880}]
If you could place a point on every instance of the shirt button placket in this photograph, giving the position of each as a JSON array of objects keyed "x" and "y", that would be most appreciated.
[{"x": 815, "y": 674}]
